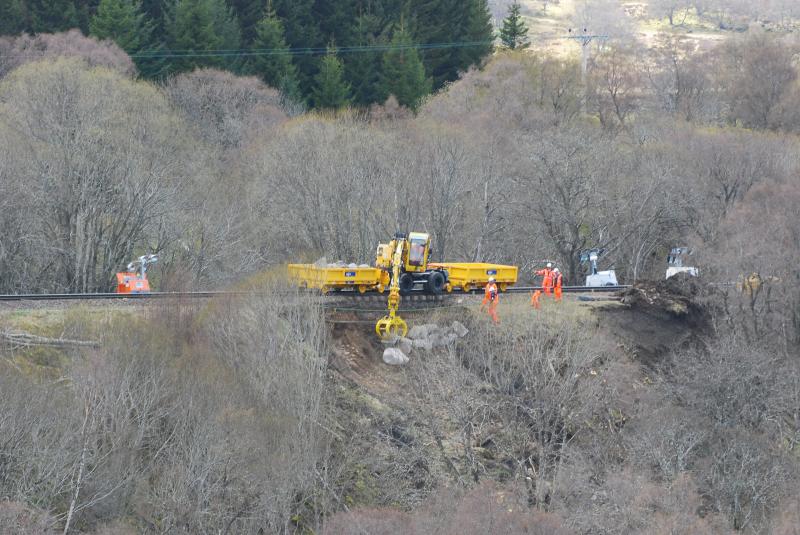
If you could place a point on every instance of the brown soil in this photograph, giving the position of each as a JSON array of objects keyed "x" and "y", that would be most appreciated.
[
  {"x": 658, "y": 317},
  {"x": 357, "y": 355}
]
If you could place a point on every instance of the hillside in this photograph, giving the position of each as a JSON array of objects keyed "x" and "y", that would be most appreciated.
[
  {"x": 705, "y": 23},
  {"x": 671, "y": 408},
  {"x": 559, "y": 412}
]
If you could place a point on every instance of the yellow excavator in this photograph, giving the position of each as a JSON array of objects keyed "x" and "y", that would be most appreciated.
[
  {"x": 402, "y": 266},
  {"x": 406, "y": 260}
]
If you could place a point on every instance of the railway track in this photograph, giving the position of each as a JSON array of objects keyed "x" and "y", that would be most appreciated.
[
  {"x": 415, "y": 295},
  {"x": 109, "y": 296}
]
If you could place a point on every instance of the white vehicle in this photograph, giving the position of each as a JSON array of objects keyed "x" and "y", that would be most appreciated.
[
  {"x": 598, "y": 278},
  {"x": 675, "y": 262}
]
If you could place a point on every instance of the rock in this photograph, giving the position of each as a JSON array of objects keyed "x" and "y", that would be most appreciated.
[
  {"x": 458, "y": 329},
  {"x": 421, "y": 331},
  {"x": 394, "y": 357},
  {"x": 423, "y": 344},
  {"x": 405, "y": 345},
  {"x": 391, "y": 340},
  {"x": 321, "y": 263}
]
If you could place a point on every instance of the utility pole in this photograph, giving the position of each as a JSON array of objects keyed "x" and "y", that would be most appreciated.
[{"x": 585, "y": 39}]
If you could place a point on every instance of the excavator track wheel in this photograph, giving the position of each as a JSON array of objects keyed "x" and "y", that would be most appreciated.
[{"x": 388, "y": 327}]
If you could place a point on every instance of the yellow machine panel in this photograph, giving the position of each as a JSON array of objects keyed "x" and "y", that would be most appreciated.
[
  {"x": 328, "y": 278},
  {"x": 471, "y": 275}
]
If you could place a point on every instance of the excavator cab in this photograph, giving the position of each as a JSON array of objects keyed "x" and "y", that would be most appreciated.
[
  {"x": 416, "y": 251},
  {"x": 419, "y": 245}
]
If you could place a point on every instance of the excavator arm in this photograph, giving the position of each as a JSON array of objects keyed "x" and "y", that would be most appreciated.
[{"x": 392, "y": 324}]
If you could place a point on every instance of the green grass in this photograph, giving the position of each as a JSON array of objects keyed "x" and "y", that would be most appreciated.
[{"x": 78, "y": 323}]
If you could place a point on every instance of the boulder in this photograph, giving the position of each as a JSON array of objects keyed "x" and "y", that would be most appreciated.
[
  {"x": 391, "y": 340},
  {"x": 421, "y": 331},
  {"x": 394, "y": 357},
  {"x": 423, "y": 344},
  {"x": 458, "y": 329},
  {"x": 405, "y": 345}
]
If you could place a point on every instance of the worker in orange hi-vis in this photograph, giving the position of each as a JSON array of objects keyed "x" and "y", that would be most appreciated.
[
  {"x": 558, "y": 281},
  {"x": 547, "y": 278},
  {"x": 535, "y": 299},
  {"x": 491, "y": 297}
]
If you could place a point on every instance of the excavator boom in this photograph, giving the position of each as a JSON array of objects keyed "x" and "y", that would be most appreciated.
[{"x": 392, "y": 324}]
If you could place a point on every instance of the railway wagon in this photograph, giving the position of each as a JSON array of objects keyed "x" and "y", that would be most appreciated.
[
  {"x": 471, "y": 275},
  {"x": 327, "y": 278}
]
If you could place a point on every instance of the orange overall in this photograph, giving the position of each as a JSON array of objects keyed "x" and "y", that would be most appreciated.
[
  {"x": 558, "y": 280},
  {"x": 547, "y": 279},
  {"x": 535, "y": 299},
  {"x": 491, "y": 297}
]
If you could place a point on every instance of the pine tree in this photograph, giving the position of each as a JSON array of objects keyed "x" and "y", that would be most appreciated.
[
  {"x": 249, "y": 13},
  {"x": 227, "y": 27},
  {"x": 301, "y": 30},
  {"x": 199, "y": 26},
  {"x": 156, "y": 11},
  {"x": 273, "y": 67},
  {"x": 12, "y": 17},
  {"x": 463, "y": 25},
  {"x": 514, "y": 33},
  {"x": 337, "y": 20},
  {"x": 478, "y": 32},
  {"x": 403, "y": 74},
  {"x": 49, "y": 16},
  {"x": 85, "y": 10},
  {"x": 362, "y": 70},
  {"x": 123, "y": 22},
  {"x": 331, "y": 91}
]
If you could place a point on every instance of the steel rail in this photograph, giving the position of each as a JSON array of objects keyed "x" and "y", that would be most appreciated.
[
  {"x": 100, "y": 296},
  {"x": 336, "y": 294},
  {"x": 511, "y": 289}
]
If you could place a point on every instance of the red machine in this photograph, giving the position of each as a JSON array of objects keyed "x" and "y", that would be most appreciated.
[{"x": 134, "y": 281}]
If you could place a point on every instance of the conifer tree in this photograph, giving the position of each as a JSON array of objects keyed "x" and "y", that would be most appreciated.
[
  {"x": 249, "y": 13},
  {"x": 123, "y": 22},
  {"x": 362, "y": 70},
  {"x": 331, "y": 91},
  {"x": 199, "y": 26},
  {"x": 84, "y": 11},
  {"x": 463, "y": 26},
  {"x": 157, "y": 12},
  {"x": 272, "y": 62},
  {"x": 301, "y": 30},
  {"x": 337, "y": 20},
  {"x": 514, "y": 33},
  {"x": 49, "y": 16},
  {"x": 227, "y": 27},
  {"x": 403, "y": 74},
  {"x": 479, "y": 33},
  {"x": 12, "y": 17}
]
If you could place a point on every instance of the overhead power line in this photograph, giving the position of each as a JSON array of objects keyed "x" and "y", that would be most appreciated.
[
  {"x": 299, "y": 51},
  {"x": 304, "y": 51}
]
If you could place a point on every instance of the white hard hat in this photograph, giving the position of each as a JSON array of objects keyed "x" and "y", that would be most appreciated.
[
  {"x": 549, "y": 264},
  {"x": 555, "y": 269},
  {"x": 491, "y": 279}
]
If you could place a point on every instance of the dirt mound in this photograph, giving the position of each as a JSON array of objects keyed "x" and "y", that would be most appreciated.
[
  {"x": 676, "y": 296},
  {"x": 356, "y": 355},
  {"x": 659, "y": 316}
]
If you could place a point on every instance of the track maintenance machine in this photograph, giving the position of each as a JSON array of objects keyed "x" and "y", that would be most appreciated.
[
  {"x": 401, "y": 266},
  {"x": 134, "y": 281}
]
